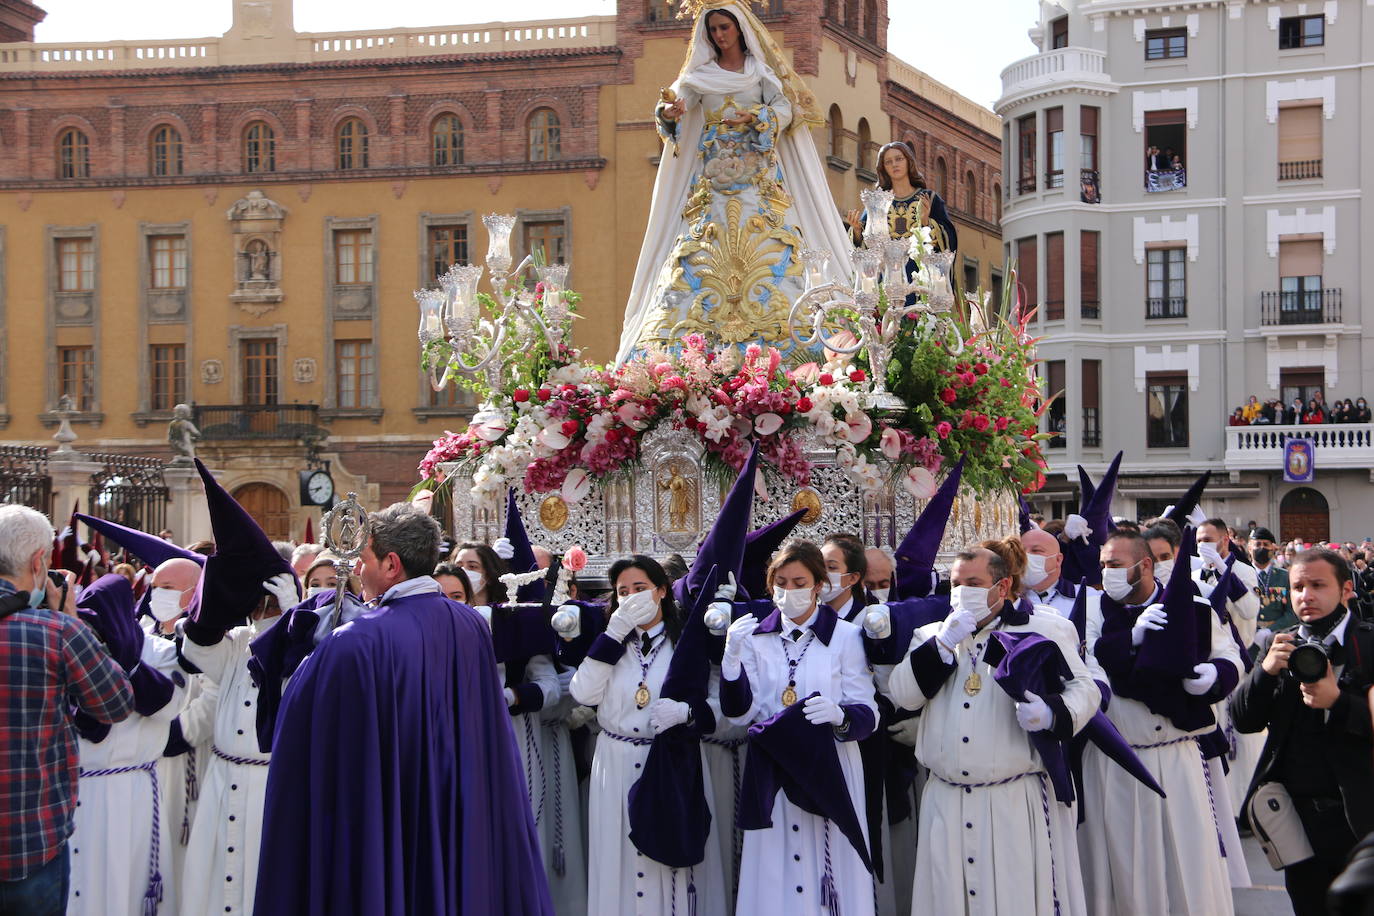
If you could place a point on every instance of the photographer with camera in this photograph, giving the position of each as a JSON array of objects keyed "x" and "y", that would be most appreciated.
[
  {"x": 1311, "y": 796},
  {"x": 52, "y": 666}
]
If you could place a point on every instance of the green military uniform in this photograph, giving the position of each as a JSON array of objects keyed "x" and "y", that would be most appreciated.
[{"x": 1276, "y": 610}]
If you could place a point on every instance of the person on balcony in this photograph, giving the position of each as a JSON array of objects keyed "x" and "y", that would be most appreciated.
[
  {"x": 1292, "y": 414},
  {"x": 1361, "y": 412},
  {"x": 1238, "y": 418},
  {"x": 1251, "y": 409},
  {"x": 1313, "y": 415}
]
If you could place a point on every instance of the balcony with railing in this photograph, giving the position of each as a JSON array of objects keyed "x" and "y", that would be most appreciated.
[
  {"x": 1063, "y": 66},
  {"x": 1335, "y": 445},
  {"x": 1166, "y": 307},
  {"x": 238, "y": 422},
  {"x": 1159, "y": 180},
  {"x": 1284, "y": 308},
  {"x": 1300, "y": 169}
]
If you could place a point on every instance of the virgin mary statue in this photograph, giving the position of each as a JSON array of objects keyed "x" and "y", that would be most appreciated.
[{"x": 740, "y": 192}]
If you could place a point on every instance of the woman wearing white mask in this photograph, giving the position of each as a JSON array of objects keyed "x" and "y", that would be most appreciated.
[
  {"x": 484, "y": 570},
  {"x": 622, "y": 676},
  {"x": 845, "y": 568},
  {"x": 323, "y": 577},
  {"x": 802, "y": 649}
]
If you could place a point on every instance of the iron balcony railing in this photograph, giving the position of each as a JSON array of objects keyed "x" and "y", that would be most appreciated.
[
  {"x": 258, "y": 421},
  {"x": 1166, "y": 307},
  {"x": 1309, "y": 306},
  {"x": 1300, "y": 169}
]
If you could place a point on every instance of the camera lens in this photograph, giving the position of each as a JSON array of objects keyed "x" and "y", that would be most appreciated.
[{"x": 1308, "y": 662}]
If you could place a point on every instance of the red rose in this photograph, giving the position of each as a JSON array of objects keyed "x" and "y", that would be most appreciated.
[
  {"x": 545, "y": 394},
  {"x": 520, "y": 395},
  {"x": 612, "y": 435},
  {"x": 569, "y": 427},
  {"x": 858, "y": 375},
  {"x": 968, "y": 378},
  {"x": 980, "y": 369},
  {"x": 943, "y": 429},
  {"x": 568, "y": 389},
  {"x": 1002, "y": 423},
  {"x": 826, "y": 378},
  {"x": 1006, "y": 382},
  {"x": 949, "y": 395},
  {"x": 981, "y": 422},
  {"x": 803, "y": 405}
]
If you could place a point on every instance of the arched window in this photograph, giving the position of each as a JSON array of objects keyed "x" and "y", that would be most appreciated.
[
  {"x": 971, "y": 194},
  {"x": 352, "y": 144},
  {"x": 259, "y": 148},
  {"x": 851, "y": 14},
  {"x": 545, "y": 145},
  {"x": 446, "y": 140},
  {"x": 165, "y": 151},
  {"x": 73, "y": 154},
  {"x": 836, "y": 132},
  {"x": 871, "y": 20},
  {"x": 941, "y": 178},
  {"x": 865, "y": 142}
]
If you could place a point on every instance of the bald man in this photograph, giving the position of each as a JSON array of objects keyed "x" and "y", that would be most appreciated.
[
  {"x": 173, "y": 587},
  {"x": 1042, "y": 580},
  {"x": 878, "y": 578}
]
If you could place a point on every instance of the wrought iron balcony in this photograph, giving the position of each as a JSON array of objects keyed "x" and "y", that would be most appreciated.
[
  {"x": 1336, "y": 445},
  {"x": 1300, "y": 169},
  {"x": 258, "y": 421},
  {"x": 1289, "y": 307},
  {"x": 1166, "y": 307}
]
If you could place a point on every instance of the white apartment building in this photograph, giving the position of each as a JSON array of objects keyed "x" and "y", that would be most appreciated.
[{"x": 1184, "y": 198}]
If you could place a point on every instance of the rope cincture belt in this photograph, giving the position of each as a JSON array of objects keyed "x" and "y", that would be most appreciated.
[
  {"x": 153, "y": 895},
  {"x": 638, "y": 742},
  {"x": 560, "y": 865},
  {"x": 241, "y": 761},
  {"x": 1045, "y": 808}
]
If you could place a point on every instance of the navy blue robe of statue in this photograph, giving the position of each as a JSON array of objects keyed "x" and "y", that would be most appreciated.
[{"x": 395, "y": 785}]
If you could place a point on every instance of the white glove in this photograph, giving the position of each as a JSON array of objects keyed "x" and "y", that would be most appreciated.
[
  {"x": 717, "y": 617},
  {"x": 958, "y": 626},
  {"x": 1204, "y": 676},
  {"x": 1034, "y": 715},
  {"x": 727, "y": 590},
  {"x": 282, "y": 586},
  {"x": 1152, "y": 618},
  {"x": 504, "y": 548},
  {"x": 632, "y": 611},
  {"x": 567, "y": 621},
  {"x": 664, "y": 714},
  {"x": 878, "y": 621},
  {"x": 1076, "y": 526},
  {"x": 1197, "y": 517},
  {"x": 1211, "y": 556},
  {"x": 904, "y": 732},
  {"x": 735, "y": 638},
  {"x": 484, "y": 611},
  {"x": 510, "y": 698},
  {"x": 580, "y": 716},
  {"x": 823, "y": 711}
]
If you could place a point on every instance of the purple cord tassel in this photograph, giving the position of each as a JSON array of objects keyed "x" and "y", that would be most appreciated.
[
  {"x": 830, "y": 895},
  {"x": 153, "y": 896},
  {"x": 691, "y": 893}
]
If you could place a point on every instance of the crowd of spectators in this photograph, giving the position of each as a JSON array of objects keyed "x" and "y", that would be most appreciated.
[{"x": 1311, "y": 412}]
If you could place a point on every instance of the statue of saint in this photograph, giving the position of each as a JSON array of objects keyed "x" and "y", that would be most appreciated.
[
  {"x": 679, "y": 499},
  {"x": 257, "y": 260},
  {"x": 182, "y": 435}
]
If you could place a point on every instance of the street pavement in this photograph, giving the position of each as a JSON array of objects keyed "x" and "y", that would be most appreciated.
[{"x": 1266, "y": 896}]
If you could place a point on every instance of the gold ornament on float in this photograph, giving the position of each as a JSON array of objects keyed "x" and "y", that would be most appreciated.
[
  {"x": 809, "y": 500},
  {"x": 553, "y": 513}
]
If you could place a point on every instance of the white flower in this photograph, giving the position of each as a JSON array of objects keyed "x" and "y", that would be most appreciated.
[
  {"x": 919, "y": 482},
  {"x": 860, "y": 426},
  {"x": 717, "y": 421},
  {"x": 491, "y": 431},
  {"x": 552, "y": 437},
  {"x": 765, "y": 424},
  {"x": 576, "y": 485},
  {"x": 891, "y": 444},
  {"x": 565, "y": 375},
  {"x": 423, "y": 500}
]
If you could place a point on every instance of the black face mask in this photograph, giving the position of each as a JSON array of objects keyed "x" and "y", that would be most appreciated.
[
  {"x": 1322, "y": 628},
  {"x": 1263, "y": 555}
]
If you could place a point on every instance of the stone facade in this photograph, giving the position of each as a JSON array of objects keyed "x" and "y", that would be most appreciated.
[{"x": 126, "y": 165}]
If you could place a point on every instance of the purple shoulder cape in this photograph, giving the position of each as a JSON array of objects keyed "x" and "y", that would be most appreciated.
[{"x": 395, "y": 785}]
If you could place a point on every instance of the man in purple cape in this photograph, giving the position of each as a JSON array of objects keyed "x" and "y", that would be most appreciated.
[{"x": 394, "y": 786}]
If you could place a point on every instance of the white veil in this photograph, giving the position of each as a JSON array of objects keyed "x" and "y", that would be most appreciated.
[{"x": 813, "y": 209}]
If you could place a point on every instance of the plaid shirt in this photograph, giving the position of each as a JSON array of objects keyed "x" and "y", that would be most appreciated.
[{"x": 49, "y": 662}]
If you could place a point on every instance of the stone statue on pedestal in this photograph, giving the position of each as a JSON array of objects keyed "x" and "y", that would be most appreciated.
[{"x": 182, "y": 435}]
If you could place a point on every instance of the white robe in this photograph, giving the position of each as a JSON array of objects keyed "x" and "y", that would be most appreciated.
[
  {"x": 621, "y": 879},
  {"x": 182, "y": 776},
  {"x": 560, "y": 832},
  {"x": 222, "y": 857},
  {"x": 783, "y": 865},
  {"x": 1009, "y": 847},
  {"x": 114, "y": 823},
  {"x": 1143, "y": 855},
  {"x": 725, "y": 750}
]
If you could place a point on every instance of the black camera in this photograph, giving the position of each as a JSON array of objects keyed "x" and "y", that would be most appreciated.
[{"x": 1309, "y": 660}]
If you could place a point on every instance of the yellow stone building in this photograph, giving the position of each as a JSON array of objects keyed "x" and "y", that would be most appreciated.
[{"x": 239, "y": 222}]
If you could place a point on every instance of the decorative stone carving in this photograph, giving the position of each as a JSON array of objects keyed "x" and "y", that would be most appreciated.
[
  {"x": 303, "y": 370},
  {"x": 211, "y": 372},
  {"x": 182, "y": 435},
  {"x": 256, "y": 221}
]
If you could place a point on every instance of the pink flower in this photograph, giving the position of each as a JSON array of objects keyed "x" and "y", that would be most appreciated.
[
  {"x": 980, "y": 368},
  {"x": 766, "y": 424},
  {"x": 943, "y": 429},
  {"x": 968, "y": 378},
  {"x": 805, "y": 375},
  {"x": 949, "y": 395},
  {"x": 1006, "y": 382},
  {"x": 860, "y": 427},
  {"x": 891, "y": 444},
  {"x": 919, "y": 482},
  {"x": 981, "y": 423},
  {"x": 491, "y": 431},
  {"x": 576, "y": 485},
  {"x": 575, "y": 560}
]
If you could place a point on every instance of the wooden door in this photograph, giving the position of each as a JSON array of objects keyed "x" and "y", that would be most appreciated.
[
  {"x": 269, "y": 507},
  {"x": 1304, "y": 515}
]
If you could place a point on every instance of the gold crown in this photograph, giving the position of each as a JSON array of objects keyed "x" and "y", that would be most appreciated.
[{"x": 690, "y": 9}]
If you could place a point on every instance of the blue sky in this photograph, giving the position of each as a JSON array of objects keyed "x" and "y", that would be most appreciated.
[{"x": 962, "y": 43}]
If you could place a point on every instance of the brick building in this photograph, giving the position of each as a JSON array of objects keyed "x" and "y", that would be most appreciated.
[{"x": 238, "y": 222}]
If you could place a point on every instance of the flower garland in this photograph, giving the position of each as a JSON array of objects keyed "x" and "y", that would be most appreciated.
[{"x": 565, "y": 424}]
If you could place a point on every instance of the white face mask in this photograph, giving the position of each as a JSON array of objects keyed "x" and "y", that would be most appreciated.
[
  {"x": 476, "y": 580},
  {"x": 834, "y": 588},
  {"x": 1209, "y": 552},
  {"x": 640, "y": 607},
  {"x": 165, "y": 604},
  {"x": 1035, "y": 570},
  {"x": 314, "y": 590},
  {"x": 880, "y": 594},
  {"x": 1116, "y": 581},
  {"x": 793, "y": 602},
  {"x": 1163, "y": 570},
  {"x": 972, "y": 598}
]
